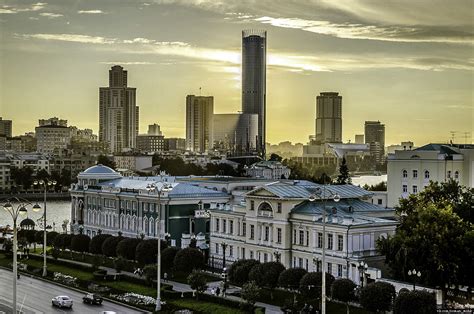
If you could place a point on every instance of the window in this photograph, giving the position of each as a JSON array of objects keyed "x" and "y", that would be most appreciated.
[
  {"x": 307, "y": 238},
  {"x": 267, "y": 233},
  {"x": 404, "y": 188},
  {"x": 340, "y": 242},
  {"x": 339, "y": 270},
  {"x": 300, "y": 262},
  {"x": 251, "y": 254},
  {"x": 456, "y": 175},
  {"x": 330, "y": 236},
  {"x": 231, "y": 226},
  {"x": 244, "y": 229},
  {"x": 243, "y": 253},
  {"x": 306, "y": 267},
  {"x": 415, "y": 189},
  {"x": 405, "y": 174},
  {"x": 278, "y": 235},
  {"x": 279, "y": 208},
  {"x": 252, "y": 232},
  {"x": 379, "y": 201},
  {"x": 301, "y": 237},
  {"x": 294, "y": 236},
  {"x": 265, "y": 257},
  {"x": 224, "y": 226},
  {"x": 415, "y": 174},
  {"x": 217, "y": 225},
  {"x": 252, "y": 205},
  {"x": 449, "y": 174},
  {"x": 329, "y": 270},
  {"x": 217, "y": 248},
  {"x": 427, "y": 174},
  {"x": 231, "y": 251},
  {"x": 320, "y": 240}
]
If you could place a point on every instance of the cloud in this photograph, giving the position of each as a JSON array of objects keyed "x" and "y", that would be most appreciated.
[
  {"x": 128, "y": 62},
  {"x": 51, "y": 15},
  {"x": 85, "y": 39},
  {"x": 90, "y": 12},
  {"x": 9, "y": 9}
]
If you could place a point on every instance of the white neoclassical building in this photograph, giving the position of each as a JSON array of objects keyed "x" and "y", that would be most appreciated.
[{"x": 278, "y": 222}]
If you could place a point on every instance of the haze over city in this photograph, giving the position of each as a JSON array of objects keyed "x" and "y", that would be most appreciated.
[{"x": 406, "y": 64}]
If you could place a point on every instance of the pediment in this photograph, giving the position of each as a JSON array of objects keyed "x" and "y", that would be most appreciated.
[{"x": 262, "y": 193}]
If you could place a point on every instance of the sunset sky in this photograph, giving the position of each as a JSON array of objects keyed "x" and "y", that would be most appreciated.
[{"x": 406, "y": 63}]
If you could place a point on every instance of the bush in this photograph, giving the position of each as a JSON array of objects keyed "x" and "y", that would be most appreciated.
[
  {"x": 109, "y": 247},
  {"x": 415, "y": 302},
  {"x": 80, "y": 243},
  {"x": 188, "y": 259},
  {"x": 150, "y": 273},
  {"x": 250, "y": 292},
  {"x": 343, "y": 290},
  {"x": 310, "y": 284},
  {"x": 119, "y": 264},
  {"x": 63, "y": 241},
  {"x": 50, "y": 237},
  {"x": 377, "y": 296},
  {"x": 239, "y": 271},
  {"x": 290, "y": 278},
  {"x": 167, "y": 258},
  {"x": 266, "y": 275},
  {"x": 95, "y": 246},
  {"x": 126, "y": 248},
  {"x": 145, "y": 252},
  {"x": 197, "y": 282}
]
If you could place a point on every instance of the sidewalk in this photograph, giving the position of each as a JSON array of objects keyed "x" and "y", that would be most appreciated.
[{"x": 180, "y": 287}]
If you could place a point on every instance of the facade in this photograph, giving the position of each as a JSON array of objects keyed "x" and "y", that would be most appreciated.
[
  {"x": 104, "y": 200},
  {"x": 118, "y": 112},
  {"x": 132, "y": 162},
  {"x": 271, "y": 170},
  {"x": 375, "y": 137},
  {"x": 277, "y": 219},
  {"x": 359, "y": 139},
  {"x": 150, "y": 143},
  {"x": 235, "y": 133},
  {"x": 36, "y": 161},
  {"x": 52, "y": 136},
  {"x": 154, "y": 129},
  {"x": 407, "y": 145},
  {"x": 175, "y": 144},
  {"x": 5, "y": 182},
  {"x": 199, "y": 123},
  {"x": 328, "y": 118},
  {"x": 410, "y": 171},
  {"x": 6, "y": 127},
  {"x": 254, "y": 80}
]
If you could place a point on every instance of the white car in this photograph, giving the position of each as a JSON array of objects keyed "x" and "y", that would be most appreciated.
[{"x": 62, "y": 301}]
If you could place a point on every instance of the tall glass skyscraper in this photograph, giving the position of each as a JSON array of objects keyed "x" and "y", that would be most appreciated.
[{"x": 254, "y": 77}]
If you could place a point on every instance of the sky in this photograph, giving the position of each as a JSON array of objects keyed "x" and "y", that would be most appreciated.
[{"x": 406, "y": 63}]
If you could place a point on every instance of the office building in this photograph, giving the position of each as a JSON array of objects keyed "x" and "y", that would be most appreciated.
[
  {"x": 151, "y": 142},
  {"x": 254, "y": 62},
  {"x": 359, "y": 139},
  {"x": 175, "y": 144},
  {"x": 328, "y": 118},
  {"x": 235, "y": 134},
  {"x": 154, "y": 129},
  {"x": 375, "y": 137},
  {"x": 53, "y": 121},
  {"x": 199, "y": 123},
  {"x": 118, "y": 112},
  {"x": 133, "y": 162},
  {"x": 6, "y": 127},
  {"x": 52, "y": 136}
]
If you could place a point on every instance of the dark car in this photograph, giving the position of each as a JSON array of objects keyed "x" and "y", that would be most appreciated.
[{"x": 91, "y": 298}]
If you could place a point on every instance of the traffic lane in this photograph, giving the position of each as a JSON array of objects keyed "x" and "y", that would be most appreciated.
[{"x": 37, "y": 294}]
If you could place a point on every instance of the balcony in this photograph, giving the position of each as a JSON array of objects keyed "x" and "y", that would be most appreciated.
[{"x": 265, "y": 213}]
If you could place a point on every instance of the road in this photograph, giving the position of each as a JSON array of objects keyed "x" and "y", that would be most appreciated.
[{"x": 34, "y": 296}]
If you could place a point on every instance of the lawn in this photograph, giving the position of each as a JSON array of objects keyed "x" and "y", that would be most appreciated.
[
  {"x": 204, "y": 307},
  {"x": 80, "y": 274},
  {"x": 183, "y": 278}
]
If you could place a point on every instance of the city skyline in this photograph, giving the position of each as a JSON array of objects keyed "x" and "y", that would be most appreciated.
[{"x": 408, "y": 70}]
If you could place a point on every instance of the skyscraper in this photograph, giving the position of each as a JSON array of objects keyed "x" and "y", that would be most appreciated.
[
  {"x": 375, "y": 136},
  {"x": 328, "y": 118},
  {"x": 254, "y": 64},
  {"x": 235, "y": 133},
  {"x": 199, "y": 123},
  {"x": 118, "y": 112},
  {"x": 6, "y": 127}
]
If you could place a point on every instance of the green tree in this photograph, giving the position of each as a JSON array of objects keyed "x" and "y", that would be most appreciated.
[
  {"x": 150, "y": 273},
  {"x": 127, "y": 247},
  {"x": 239, "y": 271},
  {"x": 275, "y": 157},
  {"x": 310, "y": 284},
  {"x": 63, "y": 241},
  {"x": 109, "y": 247},
  {"x": 80, "y": 243},
  {"x": 95, "y": 246},
  {"x": 106, "y": 161},
  {"x": 167, "y": 258},
  {"x": 377, "y": 296},
  {"x": 344, "y": 176},
  {"x": 42, "y": 175},
  {"x": 146, "y": 251},
  {"x": 250, "y": 292},
  {"x": 343, "y": 290},
  {"x": 119, "y": 264},
  {"x": 267, "y": 274},
  {"x": 290, "y": 278},
  {"x": 415, "y": 302},
  {"x": 188, "y": 259},
  {"x": 197, "y": 282}
]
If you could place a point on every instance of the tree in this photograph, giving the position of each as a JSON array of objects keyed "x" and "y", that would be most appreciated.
[
  {"x": 188, "y": 259},
  {"x": 250, "y": 292},
  {"x": 197, "y": 282},
  {"x": 146, "y": 251},
  {"x": 150, "y": 273},
  {"x": 275, "y": 157},
  {"x": 344, "y": 175},
  {"x": 95, "y": 246},
  {"x": 80, "y": 243},
  {"x": 50, "y": 237},
  {"x": 127, "y": 247},
  {"x": 415, "y": 302},
  {"x": 42, "y": 175},
  {"x": 343, "y": 290},
  {"x": 266, "y": 275},
  {"x": 22, "y": 177},
  {"x": 106, "y": 161},
  {"x": 239, "y": 271},
  {"x": 377, "y": 296},
  {"x": 63, "y": 241},
  {"x": 119, "y": 264},
  {"x": 167, "y": 258},
  {"x": 310, "y": 284},
  {"x": 109, "y": 247},
  {"x": 290, "y": 278}
]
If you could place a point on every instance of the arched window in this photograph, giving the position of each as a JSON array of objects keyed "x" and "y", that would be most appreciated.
[
  {"x": 427, "y": 174},
  {"x": 404, "y": 173},
  {"x": 145, "y": 223},
  {"x": 456, "y": 175},
  {"x": 265, "y": 207},
  {"x": 151, "y": 226}
]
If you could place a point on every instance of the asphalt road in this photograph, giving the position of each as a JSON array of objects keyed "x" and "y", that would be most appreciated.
[{"x": 34, "y": 296}]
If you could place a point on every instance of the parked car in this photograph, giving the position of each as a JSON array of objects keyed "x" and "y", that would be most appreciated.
[
  {"x": 92, "y": 298},
  {"x": 62, "y": 301}
]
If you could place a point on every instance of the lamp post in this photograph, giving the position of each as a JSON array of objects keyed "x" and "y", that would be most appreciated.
[
  {"x": 224, "y": 276},
  {"x": 362, "y": 267},
  {"x": 277, "y": 255},
  {"x": 316, "y": 261},
  {"x": 153, "y": 188},
  {"x": 224, "y": 247},
  {"x": 321, "y": 194},
  {"x": 14, "y": 213},
  {"x": 413, "y": 273},
  {"x": 45, "y": 184}
]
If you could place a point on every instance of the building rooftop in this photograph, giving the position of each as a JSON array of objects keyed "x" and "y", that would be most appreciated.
[{"x": 99, "y": 169}]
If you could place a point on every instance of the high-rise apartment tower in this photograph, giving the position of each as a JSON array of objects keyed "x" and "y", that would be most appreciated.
[
  {"x": 199, "y": 123},
  {"x": 328, "y": 118}
]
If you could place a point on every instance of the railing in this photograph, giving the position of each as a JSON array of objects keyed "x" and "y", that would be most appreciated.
[{"x": 265, "y": 213}]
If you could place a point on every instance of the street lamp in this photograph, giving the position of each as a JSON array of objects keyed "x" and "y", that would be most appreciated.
[
  {"x": 153, "y": 188},
  {"x": 224, "y": 276},
  {"x": 415, "y": 274},
  {"x": 224, "y": 247},
  {"x": 316, "y": 262},
  {"x": 362, "y": 267},
  {"x": 14, "y": 213},
  {"x": 36, "y": 207},
  {"x": 321, "y": 195},
  {"x": 277, "y": 255}
]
